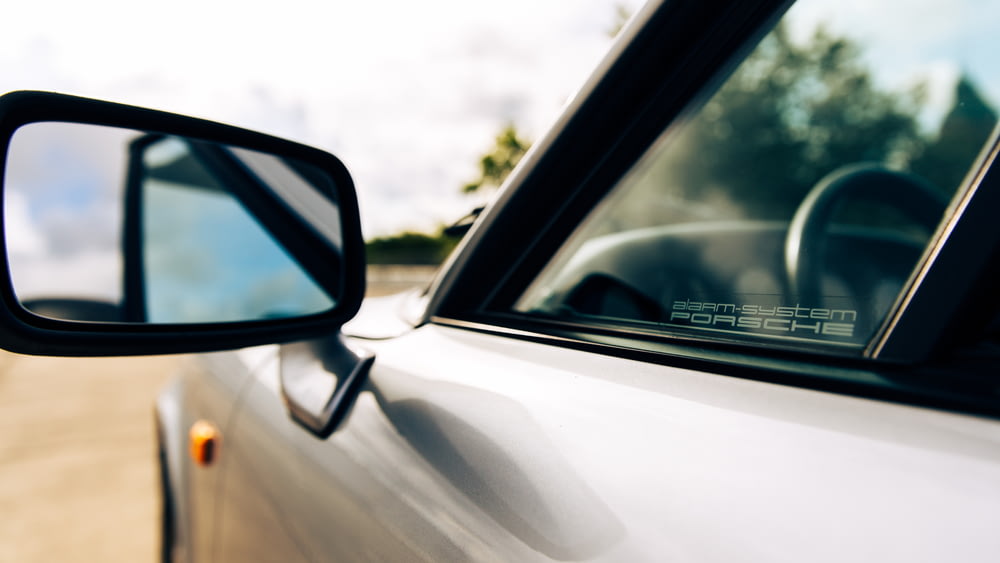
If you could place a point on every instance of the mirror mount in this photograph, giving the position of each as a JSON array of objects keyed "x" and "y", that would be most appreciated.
[{"x": 319, "y": 380}]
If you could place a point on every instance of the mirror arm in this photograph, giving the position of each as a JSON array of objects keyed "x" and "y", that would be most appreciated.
[{"x": 320, "y": 379}]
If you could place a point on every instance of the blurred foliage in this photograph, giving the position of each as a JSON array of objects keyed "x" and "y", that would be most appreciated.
[
  {"x": 509, "y": 146},
  {"x": 622, "y": 15},
  {"x": 410, "y": 248},
  {"x": 496, "y": 165},
  {"x": 431, "y": 249}
]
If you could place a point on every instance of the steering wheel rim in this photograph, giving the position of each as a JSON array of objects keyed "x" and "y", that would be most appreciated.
[{"x": 805, "y": 241}]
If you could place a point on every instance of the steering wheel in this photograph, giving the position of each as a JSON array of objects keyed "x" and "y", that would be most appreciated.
[{"x": 805, "y": 241}]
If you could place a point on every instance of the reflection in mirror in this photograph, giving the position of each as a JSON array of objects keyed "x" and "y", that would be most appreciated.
[{"x": 107, "y": 224}]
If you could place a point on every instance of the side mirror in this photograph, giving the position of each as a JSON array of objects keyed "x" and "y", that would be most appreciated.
[{"x": 131, "y": 231}]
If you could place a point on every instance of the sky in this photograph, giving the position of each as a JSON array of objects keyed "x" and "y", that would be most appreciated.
[{"x": 407, "y": 94}]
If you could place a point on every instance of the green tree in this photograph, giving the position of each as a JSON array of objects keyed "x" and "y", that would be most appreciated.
[
  {"x": 622, "y": 15},
  {"x": 431, "y": 249},
  {"x": 409, "y": 248},
  {"x": 496, "y": 165},
  {"x": 509, "y": 146}
]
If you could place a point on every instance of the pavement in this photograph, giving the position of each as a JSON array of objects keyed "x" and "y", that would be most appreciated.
[{"x": 77, "y": 458}]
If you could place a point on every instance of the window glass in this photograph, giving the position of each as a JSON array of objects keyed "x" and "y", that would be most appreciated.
[{"x": 795, "y": 200}]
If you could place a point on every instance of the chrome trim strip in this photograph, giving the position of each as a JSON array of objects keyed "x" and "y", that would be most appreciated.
[{"x": 686, "y": 343}]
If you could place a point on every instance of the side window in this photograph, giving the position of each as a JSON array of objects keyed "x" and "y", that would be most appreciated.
[
  {"x": 205, "y": 258},
  {"x": 794, "y": 202}
]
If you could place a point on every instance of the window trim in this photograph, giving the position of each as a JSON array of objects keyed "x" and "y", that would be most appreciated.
[
  {"x": 927, "y": 386},
  {"x": 938, "y": 308}
]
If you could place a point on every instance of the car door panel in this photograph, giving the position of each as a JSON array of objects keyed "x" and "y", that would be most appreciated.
[
  {"x": 207, "y": 388},
  {"x": 278, "y": 502},
  {"x": 504, "y": 449}
]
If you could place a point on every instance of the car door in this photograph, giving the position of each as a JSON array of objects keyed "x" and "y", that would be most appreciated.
[
  {"x": 500, "y": 448},
  {"x": 676, "y": 336}
]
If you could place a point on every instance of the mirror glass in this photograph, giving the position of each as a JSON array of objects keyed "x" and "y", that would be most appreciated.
[{"x": 106, "y": 224}]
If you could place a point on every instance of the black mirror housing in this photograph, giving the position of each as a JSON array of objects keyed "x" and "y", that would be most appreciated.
[{"x": 336, "y": 268}]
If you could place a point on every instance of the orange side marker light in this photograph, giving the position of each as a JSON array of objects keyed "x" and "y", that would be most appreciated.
[{"x": 204, "y": 441}]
